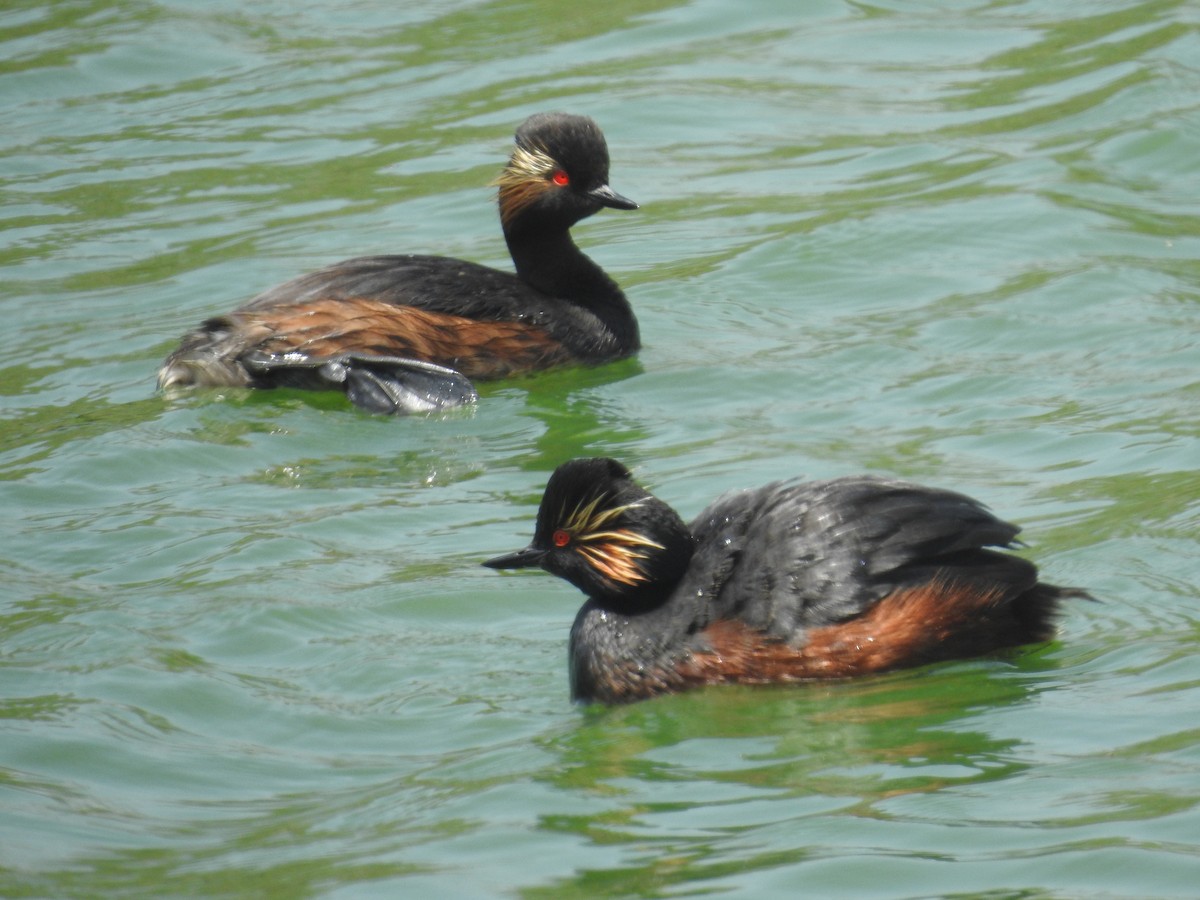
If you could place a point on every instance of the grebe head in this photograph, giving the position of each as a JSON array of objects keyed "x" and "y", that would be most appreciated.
[
  {"x": 603, "y": 533},
  {"x": 557, "y": 174}
]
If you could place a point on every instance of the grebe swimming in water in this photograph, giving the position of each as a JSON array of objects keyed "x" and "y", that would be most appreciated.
[
  {"x": 409, "y": 333},
  {"x": 793, "y": 581}
]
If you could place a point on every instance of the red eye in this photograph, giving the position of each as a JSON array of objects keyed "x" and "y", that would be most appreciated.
[
  {"x": 561, "y": 178},
  {"x": 560, "y": 538}
]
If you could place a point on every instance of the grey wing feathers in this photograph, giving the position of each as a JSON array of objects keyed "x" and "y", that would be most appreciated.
[
  {"x": 798, "y": 555},
  {"x": 900, "y": 523},
  {"x": 435, "y": 283}
]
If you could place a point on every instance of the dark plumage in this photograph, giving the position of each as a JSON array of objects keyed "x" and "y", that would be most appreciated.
[
  {"x": 409, "y": 333},
  {"x": 788, "y": 582}
]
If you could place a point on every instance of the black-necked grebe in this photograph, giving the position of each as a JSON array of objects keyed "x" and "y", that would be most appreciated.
[
  {"x": 790, "y": 582},
  {"x": 408, "y": 333}
]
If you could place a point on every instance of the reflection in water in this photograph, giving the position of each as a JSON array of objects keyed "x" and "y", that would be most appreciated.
[{"x": 685, "y": 780}]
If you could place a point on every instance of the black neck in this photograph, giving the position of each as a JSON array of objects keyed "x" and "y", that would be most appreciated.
[{"x": 548, "y": 261}]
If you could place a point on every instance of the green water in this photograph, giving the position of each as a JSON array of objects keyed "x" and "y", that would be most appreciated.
[{"x": 246, "y": 648}]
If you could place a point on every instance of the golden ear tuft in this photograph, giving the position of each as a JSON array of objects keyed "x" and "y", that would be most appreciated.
[
  {"x": 525, "y": 178},
  {"x": 616, "y": 555},
  {"x": 614, "y": 552}
]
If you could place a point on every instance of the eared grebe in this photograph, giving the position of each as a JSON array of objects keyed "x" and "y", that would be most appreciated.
[
  {"x": 789, "y": 582},
  {"x": 408, "y": 333}
]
